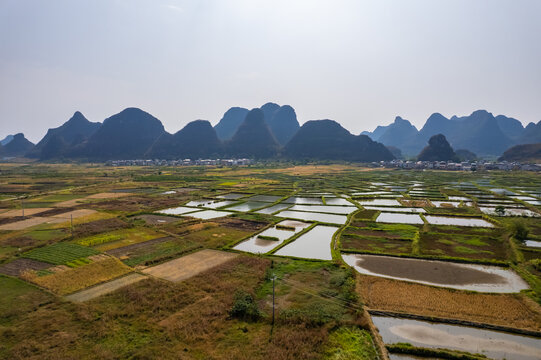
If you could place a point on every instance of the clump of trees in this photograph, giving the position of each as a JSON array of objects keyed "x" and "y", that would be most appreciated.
[{"x": 519, "y": 230}]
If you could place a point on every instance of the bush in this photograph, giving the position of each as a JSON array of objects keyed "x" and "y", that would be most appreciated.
[
  {"x": 244, "y": 307},
  {"x": 519, "y": 230}
]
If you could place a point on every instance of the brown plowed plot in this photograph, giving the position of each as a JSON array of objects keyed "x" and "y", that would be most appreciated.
[
  {"x": 27, "y": 212},
  {"x": 108, "y": 195},
  {"x": 158, "y": 219},
  {"x": 153, "y": 251},
  {"x": 515, "y": 310},
  {"x": 375, "y": 244},
  {"x": 137, "y": 203},
  {"x": 20, "y": 265},
  {"x": 99, "y": 226},
  {"x": 241, "y": 224},
  {"x": 463, "y": 246},
  {"x": 75, "y": 214},
  {"x": 132, "y": 249},
  {"x": 190, "y": 265},
  {"x": 105, "y": 288},
  {"x": 54, "y": 212},
  {"x": 68, "y": 203}
]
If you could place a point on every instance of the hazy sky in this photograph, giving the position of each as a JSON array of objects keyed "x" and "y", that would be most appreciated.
[{"x": 358, "y": 62}]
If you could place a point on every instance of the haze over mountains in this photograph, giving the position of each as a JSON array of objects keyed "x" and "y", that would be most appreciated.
[
  {"x": 271, "y": 131},
  {"x": 481, "y": 133}
]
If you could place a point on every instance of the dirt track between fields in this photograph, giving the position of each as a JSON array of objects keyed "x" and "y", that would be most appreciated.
[
  {"x": 105, "y": 288},
  {"x": 190, "y": 265}
]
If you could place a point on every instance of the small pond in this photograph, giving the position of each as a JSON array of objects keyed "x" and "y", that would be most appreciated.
[
  {"x": 258, "y": 245},
  {"x": 315, "y": 244},
  {"x": 474, "y": 277},
  {"x": 493, "y": 344}
]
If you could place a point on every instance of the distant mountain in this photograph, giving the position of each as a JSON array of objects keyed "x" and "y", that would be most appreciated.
[
  {"x": 375, "y": 135},
  {"x": 327, "y": 139},
  {"x": 512, "y": 128},
  {"x": 438, "y": 149},
  {"x": 479, "y": 132},
  {"x": 523, "y": 153},
  {"x": 253, "y": 138},
  {"x": 126, "y": 135},
  {"x": 282, "y": 122},
  {"x": 465, "y": 155},
  {"x": 196, "y": 140},
  {"x": 6, "y": 140},
  {"x": 230, "y": 122},
  {"x": 531, "y": 134},
  {"x": 399, "y": 134},
  {"x": 397, "y": 153},
  {"x": 18, "y": 146},
  {"x": 58, "y": 142}
]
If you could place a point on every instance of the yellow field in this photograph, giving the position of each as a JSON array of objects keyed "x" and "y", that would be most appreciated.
[
  {"x": 71, "y": 280},
  {"x": 515, "y": 310}
]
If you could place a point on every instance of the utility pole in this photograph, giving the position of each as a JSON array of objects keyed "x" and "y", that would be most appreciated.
[
  {"x": 22, "y": 206},
  {"x": 273, "y": 277},
  {"x": 71, "y": 224}
]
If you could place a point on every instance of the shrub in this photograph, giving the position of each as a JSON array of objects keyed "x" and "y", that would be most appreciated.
[
  {"x": 519, "y": 230},
  {"x": 244, "y": 307}
]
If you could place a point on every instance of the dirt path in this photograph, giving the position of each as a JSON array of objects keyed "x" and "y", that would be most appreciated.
[
  {"x": 104, "y": 288},
  {"x": 190, "y": 265}
]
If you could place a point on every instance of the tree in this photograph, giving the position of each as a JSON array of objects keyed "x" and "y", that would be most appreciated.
[{"x": 500, "y": 210}]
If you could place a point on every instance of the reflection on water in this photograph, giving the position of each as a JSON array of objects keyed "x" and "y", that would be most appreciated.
[
  {"x": 315, "y": 244},
  {"x": 258, "y": 245},
  {"x": 493, "y": 344}
]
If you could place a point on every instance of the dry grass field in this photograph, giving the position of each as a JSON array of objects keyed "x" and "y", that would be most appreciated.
[
  {"x": 68, "y": 280},
  {"x": 515, "y": 310},
  {"x": 190, "y": 265}
]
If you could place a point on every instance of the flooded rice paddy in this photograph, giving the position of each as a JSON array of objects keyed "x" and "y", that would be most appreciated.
[
  {"x": 255, "y": 244},
  {"x": 483, "y": 278},
  {"x": 315, "y": 244},
  {"x": 248, "y": 206},
  {"x": 304, "y": 200},
  {"x": 456, "y": 221},
  {"x": 533, "y": 243},
  {"x": 208, "y": 214},
  {"x": 313, "y": 216},
  {"x": 273, "y": 209},
  {"x": 178, "y": 210},
  {"x": 395, "y": 218},
  {"x": 265, "y": 198},
  {"x": 493, "y": 344},
  {"x": 325, "y": 209},
  {"x": 396, "y": 209},
  {"x": 377, "y": 202}
]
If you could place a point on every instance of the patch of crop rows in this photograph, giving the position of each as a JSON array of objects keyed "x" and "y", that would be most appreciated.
[{"x": 60, "y": 253}]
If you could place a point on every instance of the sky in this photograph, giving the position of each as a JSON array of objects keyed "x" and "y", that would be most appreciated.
[{"x": 359, "y": 62}]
